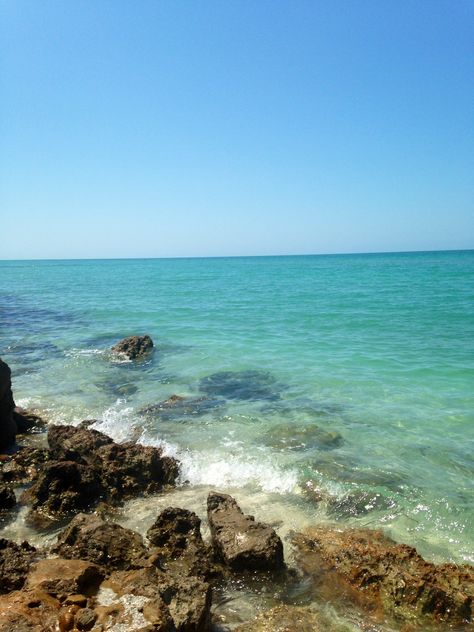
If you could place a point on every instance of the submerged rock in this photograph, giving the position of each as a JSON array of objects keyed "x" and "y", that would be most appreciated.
[
  {"x": 134, "y": 347},
  {"x": 15, "y": 561},
  {"x": 8, "y": 428},
  {"x": 300, "y": 438},
  {"x": 358, "y": 504},
  {"x": 284, "y": 618},
  {"x": 240, "y": 541},
  {"x": 240, "y": 385},
  {"x": 177, "y": 407},
  {"x": 390, "y": 576},
  {"x": 88, "y": 537}
]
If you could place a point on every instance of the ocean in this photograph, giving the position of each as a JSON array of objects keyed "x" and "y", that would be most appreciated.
[{"x": 322, "y": 389}]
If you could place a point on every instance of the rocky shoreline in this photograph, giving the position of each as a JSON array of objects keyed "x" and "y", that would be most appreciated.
[{"x": 100, "y": 576}]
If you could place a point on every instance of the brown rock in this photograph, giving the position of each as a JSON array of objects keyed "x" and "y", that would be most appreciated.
[
  {"x": 24, "y": 465},
  {"x": 8, "y": 427},
  {"x": 88, "y": 537},
  {"x": 73, "y": 443},
  {"x": 134, "y": 347},
  {"x": 179, "y": 545},
  {"x": 15, "y": 561},
  {"x": 284, "y": 618},
  {"x": 240, "y": 541},
  {"x": 60, "y": 576},
  {"x": 7, "y": 497},
  {"x": 393, "y": 577},
  {"x": 85, "y": 619},
  {"x": 29, "y": 611}
]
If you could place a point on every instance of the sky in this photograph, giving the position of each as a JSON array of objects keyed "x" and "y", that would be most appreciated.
[{"x": 168, "y": 128}]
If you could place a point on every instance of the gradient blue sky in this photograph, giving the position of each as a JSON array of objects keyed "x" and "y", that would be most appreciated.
[{"x": 232, "y": 127}]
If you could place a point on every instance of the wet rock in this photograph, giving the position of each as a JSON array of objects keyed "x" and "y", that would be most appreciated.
[
  {"x": 189, "y": 601},
  {"x": 284, "y": 618},
  {"x": 15, "y": 561},
  {"x": 8, "y": 427},
  {"x": 85, "y": 619},
  {"x": 390, "y": 576},
  {"x": 23, "y": 466},
  {"x": 177, "y": 539},
  {"x": 177, "y": 407},
  {"x": 240, "y": 385},
  {"x": 60, "y": 576},
  {"x": 134, "y": 347},
  {"x": 7, "y": 497},
  {"x": 358, "y": 504},
  {"x": 29, "y": 611},
  {"x": 75, "y": 443},
  {"x": 300, "y": 438},
  {"x": 63, "y": 488},
  {"x": 88, "y": 537},
  {"x": 27, "y": 420},
  {"x": 240, "y": 541},
  {"x": 130, "y": 469}
]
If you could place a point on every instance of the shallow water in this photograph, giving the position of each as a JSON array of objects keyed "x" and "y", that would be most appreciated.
[{"x": 322, "y": 387}]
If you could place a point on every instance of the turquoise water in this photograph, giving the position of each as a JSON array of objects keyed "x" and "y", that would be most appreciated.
[{"x": 334, "y": 388}]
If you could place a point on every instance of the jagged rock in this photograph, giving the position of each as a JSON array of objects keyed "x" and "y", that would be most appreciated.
[
  {"x": 29, "y": 611},
  {"x": 392, "y": 576},
  {"x": 7, "y": 497},
  {"x": 134, "y": 347},
  {"x": 23, "y": 466},
  {"x": 75, "y": 443},
  {"x": 58, "y": 576},
  {"x": 179, "y": 545},
  {"x": 284, "y": 618},
  {"x": 240, "y": 541},
  {"x": 63, "y": 487},
  {"x": 88, "y": 537},
  {"x": 8, "y": 427},
  {"x": 27, "y": 420},
  {"x": 15, "y": 561}
]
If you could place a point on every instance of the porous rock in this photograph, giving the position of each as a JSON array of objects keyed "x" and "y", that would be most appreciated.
[
  {"x": 29, "y": 611},
  {"x": 7, "y": 497},
  {"x": 58, "y": 576},
  {"x": 134, "y": 347},
  {"x": 391, "y": 576},
  {"x": 15, "y": 561},
  {"x": 240, "y": 541},
  {"x": 88, "y": 537},
  {"x": 75, "y": 443}
]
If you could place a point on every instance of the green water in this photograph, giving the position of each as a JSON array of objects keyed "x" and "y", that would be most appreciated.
[{"x": 344, "y": 387}]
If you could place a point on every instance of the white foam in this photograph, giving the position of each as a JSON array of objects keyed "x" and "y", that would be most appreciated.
[{"x": 75, "y": 353}]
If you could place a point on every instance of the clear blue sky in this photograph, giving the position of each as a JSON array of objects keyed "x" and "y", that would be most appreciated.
[{"x": 232, "y": 127}]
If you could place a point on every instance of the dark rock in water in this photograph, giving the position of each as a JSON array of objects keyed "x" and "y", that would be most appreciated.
[
  {"x": 27, "y": 421},
  {"x": 300, "y": 438},
  {"x": 349, "y": 470},
  {"x": 177, "y": 407},
  {"x": 134, "y": 347},
  {"x": 240, "y": 541},
  {"x": 242, "y": 385},
  {"x": 7, "y": 497},
  {"x": 8, "y": 427},
  {"x": 285, "y": 618},
  {"x": 24, "y": 465},
  {"x": 116, "y": 388},
  {"x": 15, "y": 561},
  {"x": 75, "y": 443},
  {"x": 392, "y": 577},
  {"x": 64, "y": 577},
  {"x": 358, "y": 504},
  {"x": 177, "y": 539},
  {"x": 63, "y": 488},
  {"x": 87, "y": 537}
]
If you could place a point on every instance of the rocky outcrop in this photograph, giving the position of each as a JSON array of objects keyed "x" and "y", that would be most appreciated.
[
  {"x": 15, "y": 561},
  {"x": 239, "y": 541},
  {"x": 87, "y": 467},
  {"x": 8, "y": 427},
  {"x": 393, "y": 577},
  {"x": 284, "y": 618},
  {"x": 88, "y": 537},
  {"x": 134, "y": 347}
]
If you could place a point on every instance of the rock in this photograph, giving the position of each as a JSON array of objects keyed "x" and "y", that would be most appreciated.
[
  {"x": 284, "y": 618},
  {"x": 27, "y": 420},
  {"x": 130, "y": 469},
  {"x": 15, "y": 561},
  {"x": 23, "y": 466},
  {"x": 7, "y": 497},
  {"x": 302, "y": 437},
  {"x": 391, "y": 576},
  {"x": 85, "y": 619},
  {"x": 134, "y": 347},
  {"x": 58, "y": 576},
  {"x": 29, "y": 611},
  {"x": 75, "y": 443},
  {"x": 240, "y": 541},
  {"x": 240, "y": 385},
  {"x": 177, "y": 407},
  {"x": 179, "y": 545},
  {"x": 8, "y": 427},
  {"x": 88, "y": 537},
  {"x": 189, "y": 601},
  {"x": 63, "y": 488}
]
